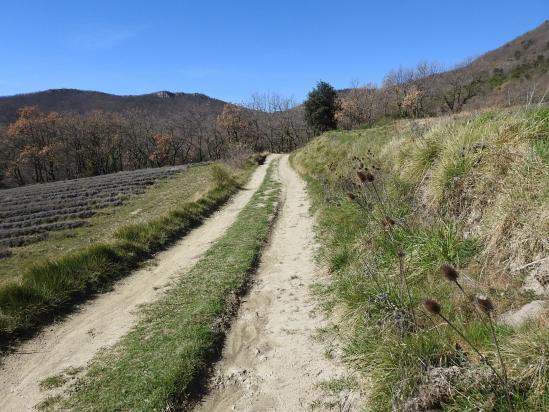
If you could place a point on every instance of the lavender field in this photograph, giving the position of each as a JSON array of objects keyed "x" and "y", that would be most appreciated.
[{"x": 29, "y": 213}]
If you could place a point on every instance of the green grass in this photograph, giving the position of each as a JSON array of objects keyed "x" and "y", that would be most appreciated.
[
  {"x": 53, "y": 382},
  {"x": 336, "y": 385},
  {"x": 49, "y": 403},
  {"x": 469, "y": 191},
  {"x": 60, "y": 379},
  {"x": 158, "y": 363},
  {"x": 54, "y": 287},
  {"x": 541, "y": 148}
]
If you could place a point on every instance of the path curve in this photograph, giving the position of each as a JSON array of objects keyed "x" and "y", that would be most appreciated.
[
  {"x": 270, "y": 361},
  {"x": 72, "y": 342}
]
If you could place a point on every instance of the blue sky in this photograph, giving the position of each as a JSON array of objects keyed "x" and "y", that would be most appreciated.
[{"x": 231, "y": 49}]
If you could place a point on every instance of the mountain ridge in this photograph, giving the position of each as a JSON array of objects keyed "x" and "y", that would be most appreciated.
[
  {"x": 512, "y": 69},
  {"x": 82, "y": 101}
]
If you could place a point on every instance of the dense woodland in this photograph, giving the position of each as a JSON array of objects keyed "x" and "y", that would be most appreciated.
[{"x": 41, "y": 147}]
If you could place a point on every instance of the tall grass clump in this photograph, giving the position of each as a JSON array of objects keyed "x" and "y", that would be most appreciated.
[{"x": 427, "y": 228}]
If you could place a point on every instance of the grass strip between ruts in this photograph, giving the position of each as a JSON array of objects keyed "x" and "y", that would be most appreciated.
[{"x": 160, "y": 361}]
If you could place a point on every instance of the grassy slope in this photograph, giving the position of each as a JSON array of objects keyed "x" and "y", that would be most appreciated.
[
  {"x": 54, "y": 286},
  {"x": 472, "y": 192},
  {"x": 157, "y": 200},
  {"x": 159, "y": 360}
]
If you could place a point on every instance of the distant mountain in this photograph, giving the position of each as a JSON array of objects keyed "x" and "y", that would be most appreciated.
[{"x": 81, "y": 101}]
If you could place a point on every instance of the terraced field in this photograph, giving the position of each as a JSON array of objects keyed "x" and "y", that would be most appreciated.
[
  {"x": 44, "y": 279},
  {"x": 45, "y": 222},
  {"x": 29, "y": 213}
]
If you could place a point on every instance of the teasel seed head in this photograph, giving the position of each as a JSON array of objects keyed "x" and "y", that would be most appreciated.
[
  {"x": 361, "y": 176},
  {"x": 485, "y": 304},
  {"x": 388, "y": 221},
  {"x": 449, "y": 272},
  {"x": 432, "y": 306},
  {"x": 370, "y": 177}
]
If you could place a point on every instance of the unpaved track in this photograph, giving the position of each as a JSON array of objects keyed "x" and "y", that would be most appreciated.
[
  {"x": 101, "y": 322},
  {"x": 270, "y": 362}
]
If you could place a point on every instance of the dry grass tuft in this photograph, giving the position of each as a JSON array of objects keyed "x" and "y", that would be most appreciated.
[
  {"x": 490, "y": 173},
  {"x": 470, "y": 192}
]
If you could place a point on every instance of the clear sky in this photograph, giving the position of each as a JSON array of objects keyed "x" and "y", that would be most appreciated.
[{"x": 231, "y": 49}]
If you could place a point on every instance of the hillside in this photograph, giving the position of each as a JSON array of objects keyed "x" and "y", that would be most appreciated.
[
  {"x": 517, "y": 73},
  {"x": 435, "y": 234},
  {"x": 513, "y": 72},
  {"x": 525, "y": 48},
  {"x": 80, "y": 101},
  {"x": 379, "y": 245}
]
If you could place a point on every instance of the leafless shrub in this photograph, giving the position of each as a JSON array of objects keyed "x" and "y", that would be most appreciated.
[{"x": 236, "y": 154}]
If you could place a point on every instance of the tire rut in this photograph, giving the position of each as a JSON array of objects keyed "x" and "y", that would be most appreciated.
[{"x": 270, "y": 361}]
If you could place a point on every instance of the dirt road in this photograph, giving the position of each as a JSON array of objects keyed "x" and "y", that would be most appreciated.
[
  {"x": 101, "y": 322},
  {"x": 270, "y": 362}
]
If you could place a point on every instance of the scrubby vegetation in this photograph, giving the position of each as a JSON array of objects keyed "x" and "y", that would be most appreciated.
[
  {"x": 54, "y": 286},
  {"x": 157, "y": 365},
  {"x": 451, "y": 212}
]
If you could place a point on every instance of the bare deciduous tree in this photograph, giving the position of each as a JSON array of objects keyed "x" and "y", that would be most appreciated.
[
  {"x": 357, "y": 106},
  {"x": 459, "y": 86},
  {"x": 41, "y": 147},
  {"x": 411, "y": 92}
]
